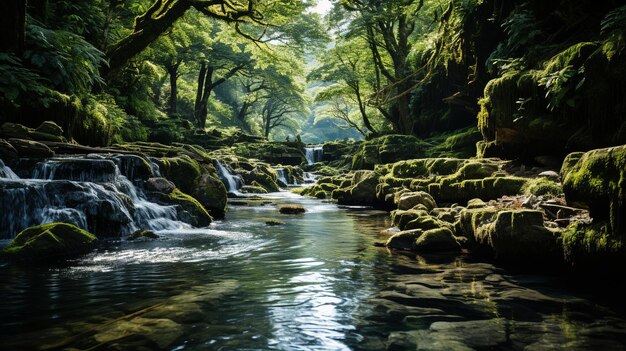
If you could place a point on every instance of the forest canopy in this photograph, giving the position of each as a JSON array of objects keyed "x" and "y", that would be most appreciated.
[{"x": 158, "y": 70}]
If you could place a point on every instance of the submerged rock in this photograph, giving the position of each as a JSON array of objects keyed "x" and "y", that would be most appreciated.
[
  {"x": 49, "y": 242},
  {"x": 291, "y": 209},
  {"x": 147, "y": 234}
]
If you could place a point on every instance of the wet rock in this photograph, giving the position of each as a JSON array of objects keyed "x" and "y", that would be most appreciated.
[
  {"x": 134, "y": 167},
  {"x": 212, "y": 194},
  {"x": 146, "y": 234},
  {"x": 160, "y": 185},
  {"x": 291, "y": 209},
  {"x": 49, "y": 242},
  {"x": 182, "y": 171},
  {"x": 404, "y": 240},
  {"x": 77, "y": 169},
  {"x": 437, "y": 240},
  {"x": 14, "y": 130},
  {"x": 7, "y": 151},
  {"x": 252, "y": 189},
  {"x": 199, "y": 215},
  {"x": 29, "y": 148},
  {"x": 518, "y": 236}
]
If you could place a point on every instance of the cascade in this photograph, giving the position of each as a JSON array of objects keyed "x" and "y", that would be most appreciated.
[
  {"x": 282, "y": 177},
  {"x": 90, "y": 192},
  {"x": 232, "y": 181},
  {"x": 313, "y": 154}
]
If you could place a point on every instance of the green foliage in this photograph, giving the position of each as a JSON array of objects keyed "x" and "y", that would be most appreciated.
[
  {"x": 19, "y": 84},
  {"x": 65, "y": 60}
]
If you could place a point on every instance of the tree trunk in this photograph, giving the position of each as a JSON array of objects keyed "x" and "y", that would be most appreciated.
[
  {"x": 13, "y": 26},
  {"x": 197, "y": 105},
  {"x": 204, "y": 101},
  {"x": 146, "y": 31},
  {"x": 172, "y": 70}
]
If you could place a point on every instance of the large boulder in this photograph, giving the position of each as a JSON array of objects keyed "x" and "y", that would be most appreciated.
[
  {"x": 160, "y": 185},
  {"x": 189, "y": 209},
  {"x": 437, "y": 240},
  {"x": 212, "y": 194},
  {"x": 362, "y": 190},
  {"x": 7, "y": 151},
  {"x": 182, "y": 171},
  {"x": 596, "y": 180},
  {"x": 49, "y": 242},
  {"x": 520, "y": 235},
  {"x": 134, "y": 167}
]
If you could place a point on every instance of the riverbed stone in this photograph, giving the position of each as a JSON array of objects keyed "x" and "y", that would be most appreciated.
[
  {"x": 49, "y": 242},
  {"x": 50, "y": 127}
]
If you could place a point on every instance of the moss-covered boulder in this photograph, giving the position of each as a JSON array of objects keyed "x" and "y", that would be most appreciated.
[
  {"x": 272, "y": 152},
  {"x": 160, "y": 185},
  {"x": 182, "y": 171},
  {"x": 361, "y": 192},
  {"x": 212, "y": 194},
  {"x": 291, "y": 209},
  {"x": 597, "y": 180},
  {"x": 134, "y": 167},
  {"x": 518, "y": 236},
  {"x": 437, "y": 240},
  {"x": 188, "y": 208},
  {"x": 7, "y": 151},
  {"x": 409, "y": 200},
  {"x": 50, "y": 242},
  {"x": 388, "y": 149},
  {"x": 404, "y": 240}
]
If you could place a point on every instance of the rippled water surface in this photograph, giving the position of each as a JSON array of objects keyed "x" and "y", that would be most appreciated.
[{"x": 315, "y": 283}]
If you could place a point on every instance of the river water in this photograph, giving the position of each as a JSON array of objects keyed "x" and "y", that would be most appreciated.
[{"x": 315, "y": 283}]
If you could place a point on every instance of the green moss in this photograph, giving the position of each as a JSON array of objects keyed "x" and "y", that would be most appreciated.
[
  {"x": 589, "y": 244},
  {"x": 388, "y": 149},
  {"x": 191, "y": 205},
  {"x": 50, "y": 241},
  {"x": 542, "y": 186},
  {"x": 437, "y": 240},
  {"x": 182, "y": 171},
  {"x": 291, "y": 209}
]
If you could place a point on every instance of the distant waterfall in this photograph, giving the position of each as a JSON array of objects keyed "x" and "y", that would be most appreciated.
[
  {"x": 232, "y": 181},
  {"x": 89, "y": 192},
  {"x": 313, "y": 154}
]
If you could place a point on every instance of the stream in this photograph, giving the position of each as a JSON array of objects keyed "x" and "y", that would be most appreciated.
[{"x": 315, "y": 283}]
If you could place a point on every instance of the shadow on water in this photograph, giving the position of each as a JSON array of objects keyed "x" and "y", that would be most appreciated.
[{"x": 314, "y": 283}]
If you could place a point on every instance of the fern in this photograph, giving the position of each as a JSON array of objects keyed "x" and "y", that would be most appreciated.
[
  {"x": 19, "y": 83},
  {"x": 65, "y": 60}
]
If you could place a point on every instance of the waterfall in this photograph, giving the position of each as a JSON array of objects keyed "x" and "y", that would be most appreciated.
[
  {"x": 313, "y": 154},
  {"x": 89, "y": 192},
  {"x": 282, "y": 177},
  {"x": 309, "y": 178},
  {"x": 233, "y": 182},
  {"x": 6, "y": 172}
]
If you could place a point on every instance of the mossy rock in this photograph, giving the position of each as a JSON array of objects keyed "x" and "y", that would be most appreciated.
[
  {"x": 212, "y": 194},
  {"x": 592, "y": 245},
  {"x": 134, "y": 167},
  {"x": 182, "y": 170},
  {"x": 190, "y": 210},
  {"x": 50, "y": 241},
  {"x": 253, "y": 189},
  {"x": 437, "y": 240},
  {"x": 142, "y": 234},
  {"x": 404, "y": 240},
  {"x": 409, "y": 200},
  {"x": 291, "y": 209},
  {"x": 542, "y": 186},
  {"x": 29, "y": 148},
  {"x": 520, "y": 235}
]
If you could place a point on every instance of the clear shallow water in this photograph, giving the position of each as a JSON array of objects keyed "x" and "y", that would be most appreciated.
[{"x": 315, "y": 283}]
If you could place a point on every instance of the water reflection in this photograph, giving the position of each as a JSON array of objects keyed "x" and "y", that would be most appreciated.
[{"x": 314, "y": 283}]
